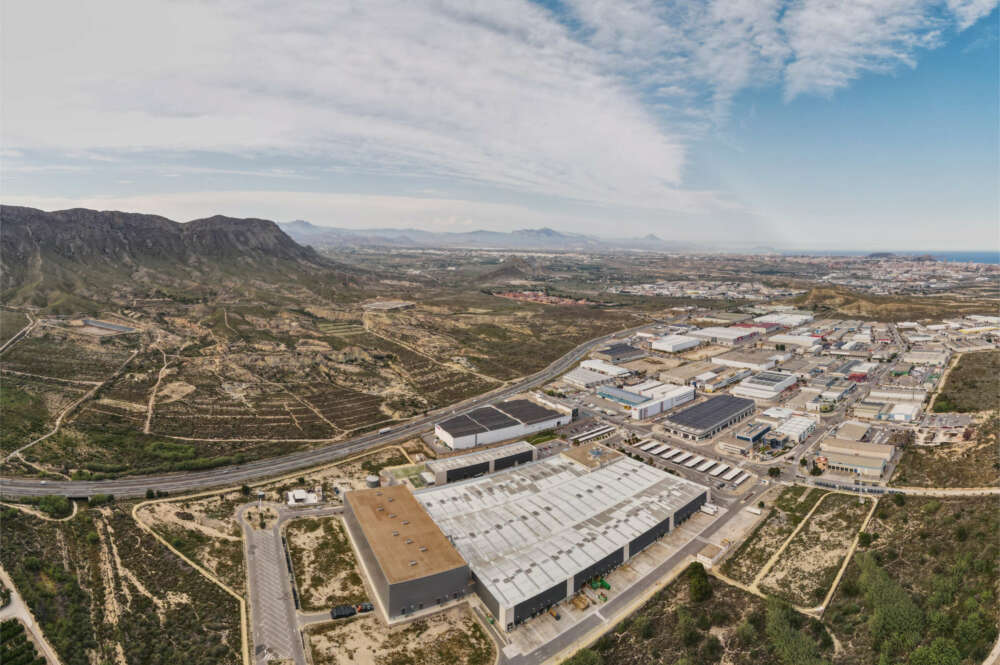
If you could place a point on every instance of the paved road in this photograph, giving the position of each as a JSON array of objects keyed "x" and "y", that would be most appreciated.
[
  {"x": 622, "y": 601},
  {"x": 133, "y": 486},
  {"x": 275, "y": 623}
]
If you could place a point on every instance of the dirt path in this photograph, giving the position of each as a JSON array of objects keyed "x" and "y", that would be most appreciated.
[
  {"x": 16, "y": 337},
  {"x": 69, "y": 409},
  {"x": 39, "y": 514},
  {"x": 485, "y": 377},
  {"x": 55, "y": 379},
  {"x": 16, "y": 609},
  {"x": 152, "y": 393},
  {"x": 766, "y": 568},
  {"x": 847, "y": 559}
]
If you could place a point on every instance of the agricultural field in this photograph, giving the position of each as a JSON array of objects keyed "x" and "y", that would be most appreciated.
[
  {"x": 783, "y": 516},
  {"x": 452, "y": 637},
  {"x": 326, "y": 573},
  {"x": 205, "y": 530},
  {"x": 700, "y": 619},
  {"x": 806, "y": 569},
  {"x": 61, "y": 354},
  {"x": 923, "y": 586},
  {"x": 972, "y": 463},
  {"x": 972, "y": 385},
  {"x": 104, "y": 590}
]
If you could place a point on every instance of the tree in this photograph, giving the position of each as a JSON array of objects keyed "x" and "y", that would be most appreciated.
[
  {"x": 55, "y": 506},
  {"x": 898, "y": 499},
  {"x": 698, "y": 585},
  {"x": 150, "y": 493},
  {"x": 245, "y": 490},
  {"x": 774, "y": 472},
  {"x": 941, "y": 651}
]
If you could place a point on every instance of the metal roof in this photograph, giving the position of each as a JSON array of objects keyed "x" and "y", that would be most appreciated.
[
  {"x": 526, "y": 529},
  {"x": 480, "y": 456},
  {"x": 711, "y": 412}
]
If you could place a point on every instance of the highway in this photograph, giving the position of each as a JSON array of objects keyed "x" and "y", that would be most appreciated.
[{"x": 180, "y": 482}]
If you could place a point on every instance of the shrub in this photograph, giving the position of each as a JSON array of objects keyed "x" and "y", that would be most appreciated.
[{"x": 699, "y": 586}]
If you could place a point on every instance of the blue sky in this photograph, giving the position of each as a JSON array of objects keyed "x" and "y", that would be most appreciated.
[{"x": 809, "y": 124}]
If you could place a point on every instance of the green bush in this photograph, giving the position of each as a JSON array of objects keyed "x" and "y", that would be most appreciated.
[{"x": 699, "y": 586}]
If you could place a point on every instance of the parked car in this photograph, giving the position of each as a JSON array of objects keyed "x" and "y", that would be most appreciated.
[
  {"x": 365, "y": 607},
  {"x": 342, "y": 611}
]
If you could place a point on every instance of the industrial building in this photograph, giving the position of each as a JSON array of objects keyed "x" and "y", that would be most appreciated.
[
  {"x": 708, "y": 418},
  {"x": 797, "y": 428},
  {"x": 499, "y": 422},
  {"x": 534, "y": 535},
  {"x": 460, "y": 467},
  {"x": 756, "y": 360},
  {"x": 726, "y": 336},
  {"x": 624, "y": 397},
  {"x": 664, "y": 401},
  {"x": 857, "y": 448},
  {"x": 618, "y": 353},
  {"x": 689, "y": 373},
  {"x": 675, "y": 343},
  {"x": 605, "y": 368},
  {"x": 801, "y": 343},
  {"x": 410, "y": 563},
  {"x": 857, "y": 465},
  {"x": 586, "y": 378},
  {"x": 765, "y": 385},
  {"x": 753, "y": 432}
]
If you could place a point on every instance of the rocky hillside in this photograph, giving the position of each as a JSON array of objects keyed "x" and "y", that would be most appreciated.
[{"x": 80, "y": 253}]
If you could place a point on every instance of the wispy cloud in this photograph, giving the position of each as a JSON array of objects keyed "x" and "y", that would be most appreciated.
[{"x": 595, "y": 102}]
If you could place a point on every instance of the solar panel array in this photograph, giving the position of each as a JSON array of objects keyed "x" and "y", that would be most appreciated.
[
  {"x": 711, "y": 412},
  {"x": 500, "y": 416}
]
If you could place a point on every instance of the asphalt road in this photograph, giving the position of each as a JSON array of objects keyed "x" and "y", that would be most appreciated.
[{"x": 135, "y": 486}]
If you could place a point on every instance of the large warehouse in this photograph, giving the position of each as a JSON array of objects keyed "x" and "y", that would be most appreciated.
[
  {"x": 460, "y": 467},
  {"x": 410, "y": 563},
  {"x": 708, "y": 418},
  {"x": 534, "y": 535},
  {"x": 498, "y": 422},
  {"x": 765, "y": 385}
]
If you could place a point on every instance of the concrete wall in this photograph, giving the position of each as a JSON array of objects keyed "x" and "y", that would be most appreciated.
[
  {"x": 539, "y": 603},
  {"x": 375, "y": 575},
  {"x": 608, "y": 563},
  {"x": 640, "y": 543}
]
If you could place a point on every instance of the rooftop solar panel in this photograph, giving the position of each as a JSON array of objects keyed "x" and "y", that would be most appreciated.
[
  {"x": 491, "y": 419},
  {"x": 461, "y": 426},
  {"x": 711, "y": 412},
  {"x": 527, "y": 412}
]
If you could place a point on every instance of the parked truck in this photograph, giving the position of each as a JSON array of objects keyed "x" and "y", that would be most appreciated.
[{"x": 343, "y": 611}]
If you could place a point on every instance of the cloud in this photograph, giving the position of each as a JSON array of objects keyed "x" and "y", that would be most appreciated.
[{"x": 593, "y": 102}]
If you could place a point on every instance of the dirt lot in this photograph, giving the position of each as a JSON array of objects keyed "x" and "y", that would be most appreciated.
[
  {"x": 326, "y": 572},
  {"x": 448, "y": 638},
  {"x": 785, "y": 514},
  {"x": 960, "y": 464},
  {"x": 808, "y": 566},
  {"x": 973, "y": 384}
]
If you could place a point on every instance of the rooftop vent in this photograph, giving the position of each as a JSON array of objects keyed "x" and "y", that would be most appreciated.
[
  {"x": 413, "y": 563},
  {"x": 395, "y": 533},
  {"x": 409, "y": 541},
  {"x": 423, "y": 548},
  {"x": 380, "y": 509},
  {"x": 392, "y": 515},
  {"x": 405, "y": 522}
]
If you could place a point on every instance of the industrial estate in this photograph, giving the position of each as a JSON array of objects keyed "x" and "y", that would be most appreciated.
[{"x": 585, "y": 474}]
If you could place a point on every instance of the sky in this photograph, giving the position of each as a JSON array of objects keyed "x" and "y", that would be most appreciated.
[{"x": 802, "y": 124}]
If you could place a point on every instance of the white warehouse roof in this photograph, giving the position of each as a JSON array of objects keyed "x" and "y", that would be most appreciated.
[
  {"x": 526, "y": 529},
  {"x": 604, "y": 367}
]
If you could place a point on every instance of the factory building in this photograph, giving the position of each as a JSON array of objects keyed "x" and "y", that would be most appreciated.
[
  {"x": 726, "y": 336},
  {"x": 758, "y": 361},
  {"x": 619, "y": 353},
  {"x": 797, "y": 428},
  {"x": 499, "y": 422},
  {"x": 765, "y": 385},
  {"x": 856, "y": 465},
  {"x": 664, "y": 401},
  {"x": 534, "y": 535},
  {"x": 624, "y": 397},
  {"x": 461, "y": 467},
  {"x": 708, "y": 418},
  {"x": 675, "y": 343},
  {"x": 800, "y": 343},
  {"x": 409, "y": 561},
  {"x": 605, "y": 368},
  {"x": 586, "y": 378}
]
